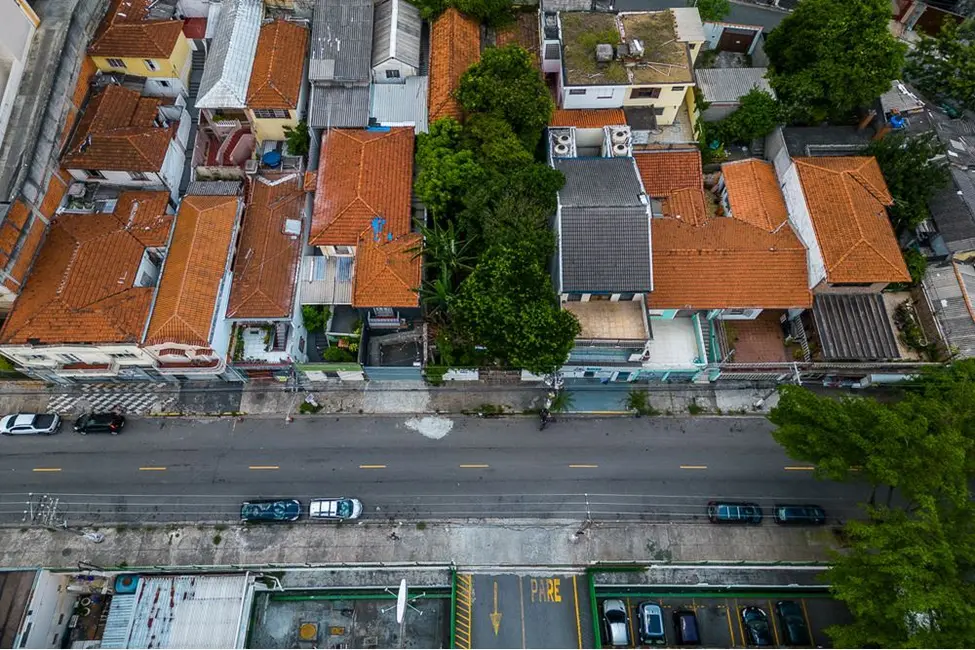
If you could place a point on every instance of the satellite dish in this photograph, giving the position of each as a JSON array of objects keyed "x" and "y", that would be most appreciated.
[{"x": 401, "y": 601}]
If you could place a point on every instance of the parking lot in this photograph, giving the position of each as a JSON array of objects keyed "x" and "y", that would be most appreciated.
[{"x": 719, "y": 618}]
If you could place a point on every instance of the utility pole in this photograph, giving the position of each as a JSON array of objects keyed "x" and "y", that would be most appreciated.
[{"x": 44, "y": 512}]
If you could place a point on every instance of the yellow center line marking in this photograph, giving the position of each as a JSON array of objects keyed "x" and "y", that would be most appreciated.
[
  {"x": 693, "y": 466},
  {"x": 799, "y": 468},
  {"x": 372, "y": 467},
  {"x": 47, "y": 469},
  {"x": 474, "y": 466},
  {"x": 152, "y": 469},
  {"x": 263, "y": 467},
  {"x": 583, "y": 466}
]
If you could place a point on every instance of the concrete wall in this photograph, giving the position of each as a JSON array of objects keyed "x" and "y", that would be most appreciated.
[
  {"x": 594, "y": 97},
  {"x": 801, "y": 222},
  {"x": 171, "y": 68},
  {"x": 379, "y": 71},
  {"x": 121, "y": 179},
  {"x": 271, "y": 129},
  {"x": 50, "y": 609},
  {"x": 41, "y": 357},
  {"x": 17, "y": 25},
  {"x": 716, "y": 112}
]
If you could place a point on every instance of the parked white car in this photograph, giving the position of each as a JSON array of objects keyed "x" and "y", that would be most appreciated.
[
  {"x": 30, "y": 424},
  {"x": 337, "y": 509}
]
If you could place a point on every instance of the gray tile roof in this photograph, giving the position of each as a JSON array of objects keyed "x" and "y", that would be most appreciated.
[
  {"x": 953, "y": 211},
  {"x": 728, "y": 85},
  {"x": 604, "y": 229},
  {"x": 600, "y": 182},
  {"x": 214, "y": 188},
  {"x": 854, "y": 327},
  {"x": 400, "y": 41},
  {"x": 825, "y": 140},
  {"x": 947, "y": 293},
  {"x": 341, "y": 41},
  {"x": 227, "y": 72},
  {"x": 339, "y": 107},
  {"x": 400, "y": 104}
]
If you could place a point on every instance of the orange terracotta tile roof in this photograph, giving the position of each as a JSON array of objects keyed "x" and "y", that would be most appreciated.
[
  {"x": 725, "y": 263},
  {"x": 455, "y": 45},
  {"x": 265, "y": 271},
  {"x": 127, "y": 32},
  {"x": 195, "y": 28},
  {"x": 18, "y": 213},
  {"x": 362, "y": 175},
  {"x": 81, "y": 287},
  {"x": 144, "y": 215},
  {"x": 85, "y": 75},
  {"x": 56, "y": 189},
  {"x": 754, "y": 194},
  {"x": 278, "y": 66},
  {"x": 595, "y": 118},
  {"x": 846, "y": 197},
  {"x": 676, "y": 179},
  {"x": 194, "y": 269},
  {"x": 387, "y": 269},
  {"x": 117, "y": 133},
  {"x": 25, "y": 257}
]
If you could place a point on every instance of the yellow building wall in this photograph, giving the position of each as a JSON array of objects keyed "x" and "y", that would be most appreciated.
[
  {"x": 670, "y": 100},
  {"x": 170, "y": 68},
  {"x": 691, "y": 106},
  {"x": 271, "y": 129}
]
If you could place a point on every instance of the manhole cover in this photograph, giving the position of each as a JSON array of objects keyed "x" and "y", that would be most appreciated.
[{"x": 308, "y": 632}]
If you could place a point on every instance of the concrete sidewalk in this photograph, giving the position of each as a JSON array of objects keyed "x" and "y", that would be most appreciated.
[
  {"x": 482, "y": 543},
  {"x": 374, "y": 397}
]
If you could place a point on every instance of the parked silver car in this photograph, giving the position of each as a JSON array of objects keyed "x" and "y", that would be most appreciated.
[
  {"x": 336, "y": 509},
  {"x": 617, "y": 623},
  {"x": 30, "y": 424}
]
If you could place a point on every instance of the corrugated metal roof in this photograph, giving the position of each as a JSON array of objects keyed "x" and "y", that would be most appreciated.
[
  {"x": 728, "y": 85},
  {"x": 178, "y": 612},
  {"x": 400, "y": 41},
  {"x": 600, "y": 182},
  {"x": 339, "y": 107},
  {"x": 854, "y": 327},
  {"x": 119, "y": 621},
  {"x": 214, "y": 188},
  {"x": 687, "y": 24},
  {"x": 900, "y": 98},
  {"x": 341, "y": 41},
  {"x": 400, "y": 104},
  {"x": 227, "y": 72},
  {"x": 947, "y": 288}
]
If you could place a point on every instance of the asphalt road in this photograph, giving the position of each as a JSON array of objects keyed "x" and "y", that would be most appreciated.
[{"x": 653, "y": 469}]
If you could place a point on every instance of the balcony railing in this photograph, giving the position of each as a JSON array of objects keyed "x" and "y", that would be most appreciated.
[
  {"x": 201, "y": 367},
  {"x": 88, "y": 369}
]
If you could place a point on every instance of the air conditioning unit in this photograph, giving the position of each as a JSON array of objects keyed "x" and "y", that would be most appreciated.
[
  {"x": 621, "y": 149},
  {"x": 620, "y": 136},
  {"x": 561, "y": 149},
  {"x": 250, "y": 167},
  {"x": 564, "y": 138}
]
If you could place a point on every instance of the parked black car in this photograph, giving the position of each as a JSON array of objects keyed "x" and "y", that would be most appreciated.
[
  {"x": 685, "y": 626},
  {"x": 728, "y": 512},
  {"x": 799, "y": 515},
  {"x": 795, "y": 632},
  {"x": 99, "y": 423},
  {"x": 755, "y": 621}
]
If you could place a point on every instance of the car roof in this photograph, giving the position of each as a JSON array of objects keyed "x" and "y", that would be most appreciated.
[{"x": 23, "y": 418}]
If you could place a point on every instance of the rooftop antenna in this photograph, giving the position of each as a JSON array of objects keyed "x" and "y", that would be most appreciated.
[{"x": 402, "y": 602}]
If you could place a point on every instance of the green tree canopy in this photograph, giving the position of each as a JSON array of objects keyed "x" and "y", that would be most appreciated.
[
  {"x": 907, "y": 580},
  {"x": 506, "y": 85},
  {"x": 913, "y": 174},
  {"x": 829, "y": 57},
  {"x": 446, "y": 168},
  {"x": 943, "y": 66},
  {"x": 757, "y": 116},
  {"x": 492, "y": 12},
  {"x": 507, "y": 304},
  {"x": 713, "y": 10}
]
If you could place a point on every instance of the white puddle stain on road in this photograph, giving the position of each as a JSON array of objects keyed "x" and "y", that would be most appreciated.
[{"x": 431, "y": 427}]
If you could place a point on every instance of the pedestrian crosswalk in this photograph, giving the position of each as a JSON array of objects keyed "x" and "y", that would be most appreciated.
[{"x": 137, "y": 400}]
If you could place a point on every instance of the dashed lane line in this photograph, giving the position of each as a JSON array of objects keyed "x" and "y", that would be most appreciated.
[
  {"x": 152, "y": 469},
  {"x": 47, "y": 469},
  {"x": 263, "y": 467}
]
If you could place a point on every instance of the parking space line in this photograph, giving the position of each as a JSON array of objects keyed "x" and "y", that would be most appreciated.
[
  {"x": 372, "y": 467},
  {"x": 47, "y": 469},
  {"x": 152, "y": 469},
  {"x": 805, "y": 613},
  {"x": 521, "y": 598},
  {"x": 741, "y": 626},
  {"x": 799, "y": 468},
  {"x": 693, "y": 466},
  {"x": 575, "y": 595},
  {"x": 731, "y": 629},
  {"x": 462, "y": 622},
  {"x": 775, "y": 628},
  {"x": 263, "y": 467},
  {"x": 630, "y": 617}
]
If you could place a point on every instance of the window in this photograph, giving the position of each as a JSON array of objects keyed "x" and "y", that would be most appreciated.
[
  {"x": 271, "y": 114},
  {"x": 163, "y": 83},
  {"x": 383, "y": 312},
  {"x": 574, "y": 297},
  {"x": 116, "y": 63},
  {"x": 150, "y": 65},
  {"x": 70, "y": 358},
  {"x": 94, "y": 173},
  {"x": 577, "y": 91},
  {"x": 138, "y": 176},
  {"x": 658, "y": 110},
  {"x": 123, "y": 355},
  {"x": 344, "y": 250},
  {"x": 392, "y": 74},
  {"x": 604, "y": 93},
  {"x": 677, "y": 89},
  {"x": 645, "y": 93}
]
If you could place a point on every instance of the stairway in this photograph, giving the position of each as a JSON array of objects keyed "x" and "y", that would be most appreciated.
[
  {"x": 757, "y": 148},
  {"x": 196, "y": 76},
  {"x": 280, "y": 336},
  {"x": 228, "y": 147}
]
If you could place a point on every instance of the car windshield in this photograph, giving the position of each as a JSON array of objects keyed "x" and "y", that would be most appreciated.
[
  {"x": 654, "y": 623},
  {"x": 344, "y": 508},
  {"x": 615, "y": 616}
]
